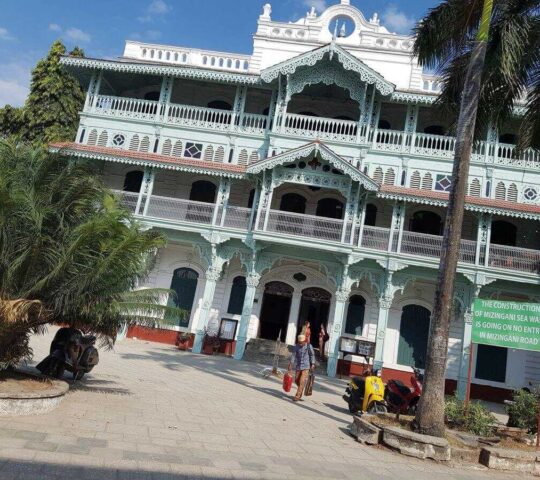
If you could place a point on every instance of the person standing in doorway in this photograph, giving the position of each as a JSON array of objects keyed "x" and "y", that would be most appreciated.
[
  {"x": 302, "y": 361},
  {"x": 306, "y": 331},
  {"x": 323, "y": 337}
]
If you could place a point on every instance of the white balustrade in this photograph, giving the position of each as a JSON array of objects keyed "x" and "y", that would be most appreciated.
[
  {"x": 424, "y": 245},
  {"x": 514, "y": 258},
  {"x": 298, "y": 224},
  {"x": 180, "y": 210},
  {"x": 237, "y": 217},
  {"x": 375, "y": 238},
  {"x": 508, "y": 154},
  {"x": 390, "y": 140},
  {"x": 199, "y": 116},
  {"x": 253, "y": 123},
  {"x": 434, "y": 145},
  {"x": 128, "y": 199},
  {"x": 320, "y": 127},
  {"x": 125, "y": 107}
]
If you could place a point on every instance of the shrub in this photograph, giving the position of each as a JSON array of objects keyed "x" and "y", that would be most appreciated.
[
  {"x": 524, "y": 411},
  {"x": 478, "y": 419}
]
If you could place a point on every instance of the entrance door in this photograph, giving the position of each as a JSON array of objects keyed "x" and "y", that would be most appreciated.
[
  {"x": 314, "y": 308},
  {"x": 275, "y": 310}
]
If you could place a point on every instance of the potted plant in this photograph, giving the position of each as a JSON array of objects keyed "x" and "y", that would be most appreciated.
[
  {"x": 183, "y": 340},
  {"x": 211, "y": 343}
]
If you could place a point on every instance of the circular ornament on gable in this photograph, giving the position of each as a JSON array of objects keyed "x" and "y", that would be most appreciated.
[{"x": 342, "y": 25}]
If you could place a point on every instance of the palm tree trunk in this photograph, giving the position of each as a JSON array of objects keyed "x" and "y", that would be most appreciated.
[{"x": 430, "y": 416}]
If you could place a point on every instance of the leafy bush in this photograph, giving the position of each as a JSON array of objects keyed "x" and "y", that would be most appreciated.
[
  {"x": 523, "y": 412},
  {"x": 478, "y": 419}
]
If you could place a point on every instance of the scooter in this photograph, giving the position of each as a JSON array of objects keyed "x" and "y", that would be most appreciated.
[
  {"x": 366, "y": 394},
  {"x": 70, "y": 350},
  {"x": 402, "y": 399}
]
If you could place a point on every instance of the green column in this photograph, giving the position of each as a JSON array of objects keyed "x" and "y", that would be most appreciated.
[{"x": 252, "y": 281}]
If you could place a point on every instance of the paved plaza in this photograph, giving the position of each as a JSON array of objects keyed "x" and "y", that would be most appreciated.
[{"x": 149, "y": 411}]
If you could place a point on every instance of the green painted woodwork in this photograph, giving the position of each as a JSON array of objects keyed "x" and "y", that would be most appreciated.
[{"x": 413, "y": 336}]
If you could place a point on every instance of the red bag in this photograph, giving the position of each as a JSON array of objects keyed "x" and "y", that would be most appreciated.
[{"x": 287, "y": 382}]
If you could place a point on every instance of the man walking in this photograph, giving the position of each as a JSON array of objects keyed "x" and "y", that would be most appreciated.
[{"x": 302, "y": 360}]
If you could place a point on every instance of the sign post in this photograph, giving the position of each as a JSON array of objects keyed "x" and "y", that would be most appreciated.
[{"x": 505, "y": 324}]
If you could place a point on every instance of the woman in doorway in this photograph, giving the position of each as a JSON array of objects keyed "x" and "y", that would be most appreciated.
[{"x": 323, "y": 337}]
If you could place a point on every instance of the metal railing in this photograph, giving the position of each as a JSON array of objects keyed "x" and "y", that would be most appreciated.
[
  {"x": 424, "y": 245},
  {"x": 299, "y": 224},
  {"x": 375, "y": 238},
  {"x": 237, "y": 217},
  {"x": 514, "y": 258},
  {"x": 128, "y": 199},
  {"x": 180, "y": 210},
  {"x": 320, "y": 127}
]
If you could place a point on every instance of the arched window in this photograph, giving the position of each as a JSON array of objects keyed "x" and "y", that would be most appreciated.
[
  {"x": 308, "y": 114},
  {"x": 503, "y": 233},
  {"x": 133, "y": 181},
  {"x": 413, "y": 336},
  {"x": 508, "y": 138},
  {"x": 154, "y": 95},
  {"x": 384, "y": 125},
  {"x": 329, "y": 208},
  {"x": 292, "y": 202},
  {"x": 203, "y": 191},
  {"x": 238, "y": 292},
  {"x": 371, "y": 215},
  {"x": 355, "y": 315},
  {"x": 220, "y": 105},
  {"x": 184, "y": 284},
  {"x": 426, "y": 222}
]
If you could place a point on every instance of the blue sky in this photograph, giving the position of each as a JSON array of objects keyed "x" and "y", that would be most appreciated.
[{"x": 100, "y": 27}]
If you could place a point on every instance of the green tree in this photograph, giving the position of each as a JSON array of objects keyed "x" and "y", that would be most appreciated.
[
  {"x": 51, "y": 111},
  {"x": 69, "y": 253},
  {"x": 11, "y": 121},
  {"x": 488, "y": 55}
]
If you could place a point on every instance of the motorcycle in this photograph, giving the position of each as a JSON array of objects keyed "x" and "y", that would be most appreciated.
[
  {"x": 402, "y": 399},
  {"x": 366, "y": 394},
  {"x": 70, "y": 350}
]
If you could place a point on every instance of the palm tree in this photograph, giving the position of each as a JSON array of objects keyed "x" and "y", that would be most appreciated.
[
  {"x": 69, "y": 253},
  {"x": 488, "y": 56}
]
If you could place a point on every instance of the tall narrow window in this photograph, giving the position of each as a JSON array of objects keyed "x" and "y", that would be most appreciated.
[
  {"x": 238, "y": 292},
  {"x": 413, "y": 336},
  {"x": 133, "y": 181},
  {"x": 184, "y": 284},
  {"x": 355, "y": 315}
]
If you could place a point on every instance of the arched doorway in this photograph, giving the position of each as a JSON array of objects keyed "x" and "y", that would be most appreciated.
[
  {"x": 413, "y": 336},
  {"x": 203, "y": 191},
  {"x": 292, "y": 202},
  {"x": 426, "y": 222},
  {"x": 314, "y": 307},
  {"x": 219, "y": 105},
  {"x": 133, "y": 181},
  {"x": 503, "y": 233},
  {"x": 329, "y": 208},
  {"x": 184, "y": 284},
  {"x": 276, "y": 306}
]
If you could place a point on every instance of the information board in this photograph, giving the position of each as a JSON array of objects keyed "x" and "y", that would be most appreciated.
[{"x": 506, "y": 324}]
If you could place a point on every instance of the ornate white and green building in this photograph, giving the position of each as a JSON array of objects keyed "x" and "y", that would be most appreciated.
[{"x": 309, "y": 181}]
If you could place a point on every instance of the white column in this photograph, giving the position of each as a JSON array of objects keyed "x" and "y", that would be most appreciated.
[
  {"x": 222, "y": 193},
  {"x": 252, "y": 281},
  {"x": 149, "y": 189},
  {"x": 225, "y": 201},
  {"x": 335, "y": 335},
  {"x": 410, "y": 127},
  {"x": 294, "y": 312},
  {"x": 351, "y": 199},
  {"x": 397, "y": 224},
  {"x": 164, "y": 99},
  {"x": 362, "y": 220},
  {"x": 143, "y": 189},
  {"x": 96, "y": 88},
  {"x": 385, "y": 303},
  {"x": 376, "y": 113},
  {"x": 213, "y": 274},
  {"x": 239, "y": 104}
]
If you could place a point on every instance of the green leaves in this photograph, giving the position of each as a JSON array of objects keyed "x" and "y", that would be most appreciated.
[{"x": 67, "y": 242}]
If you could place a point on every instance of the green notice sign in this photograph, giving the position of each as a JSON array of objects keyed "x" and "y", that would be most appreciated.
[{"x": 506, "y": 324}]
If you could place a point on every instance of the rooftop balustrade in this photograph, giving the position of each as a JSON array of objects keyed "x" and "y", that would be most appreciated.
[{"x": 290, "y": 224}]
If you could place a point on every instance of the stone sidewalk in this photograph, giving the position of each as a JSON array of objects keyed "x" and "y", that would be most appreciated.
[{"x": 149, "y": 411}]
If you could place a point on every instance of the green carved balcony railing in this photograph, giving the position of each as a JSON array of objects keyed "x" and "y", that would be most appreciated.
[{"x": 288, "y": 224}]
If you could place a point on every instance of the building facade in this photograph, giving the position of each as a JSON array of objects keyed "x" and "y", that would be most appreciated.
[{"x": 309, "y": 181}]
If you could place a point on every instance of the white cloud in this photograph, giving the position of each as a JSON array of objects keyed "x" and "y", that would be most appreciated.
[
  {"x": 14, "y": 83},
  {"x": 320, "y": 5},
  {"x": 147, "y": 35},
  {"x": 54, "y": 27},
  {"x": 77, "y": 35},
  {"x": 154, "y": 9},
  {"x": 397, "y": 21},
  {"x": 5, "y": 35}
]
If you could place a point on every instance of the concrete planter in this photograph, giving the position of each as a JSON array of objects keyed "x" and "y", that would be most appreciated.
[
  {"x": 364, "y": 431},
  {"x": 33, "y": 403},
  {"x": 514, "y": 460},
  {"x": 417, "y": 445}
]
